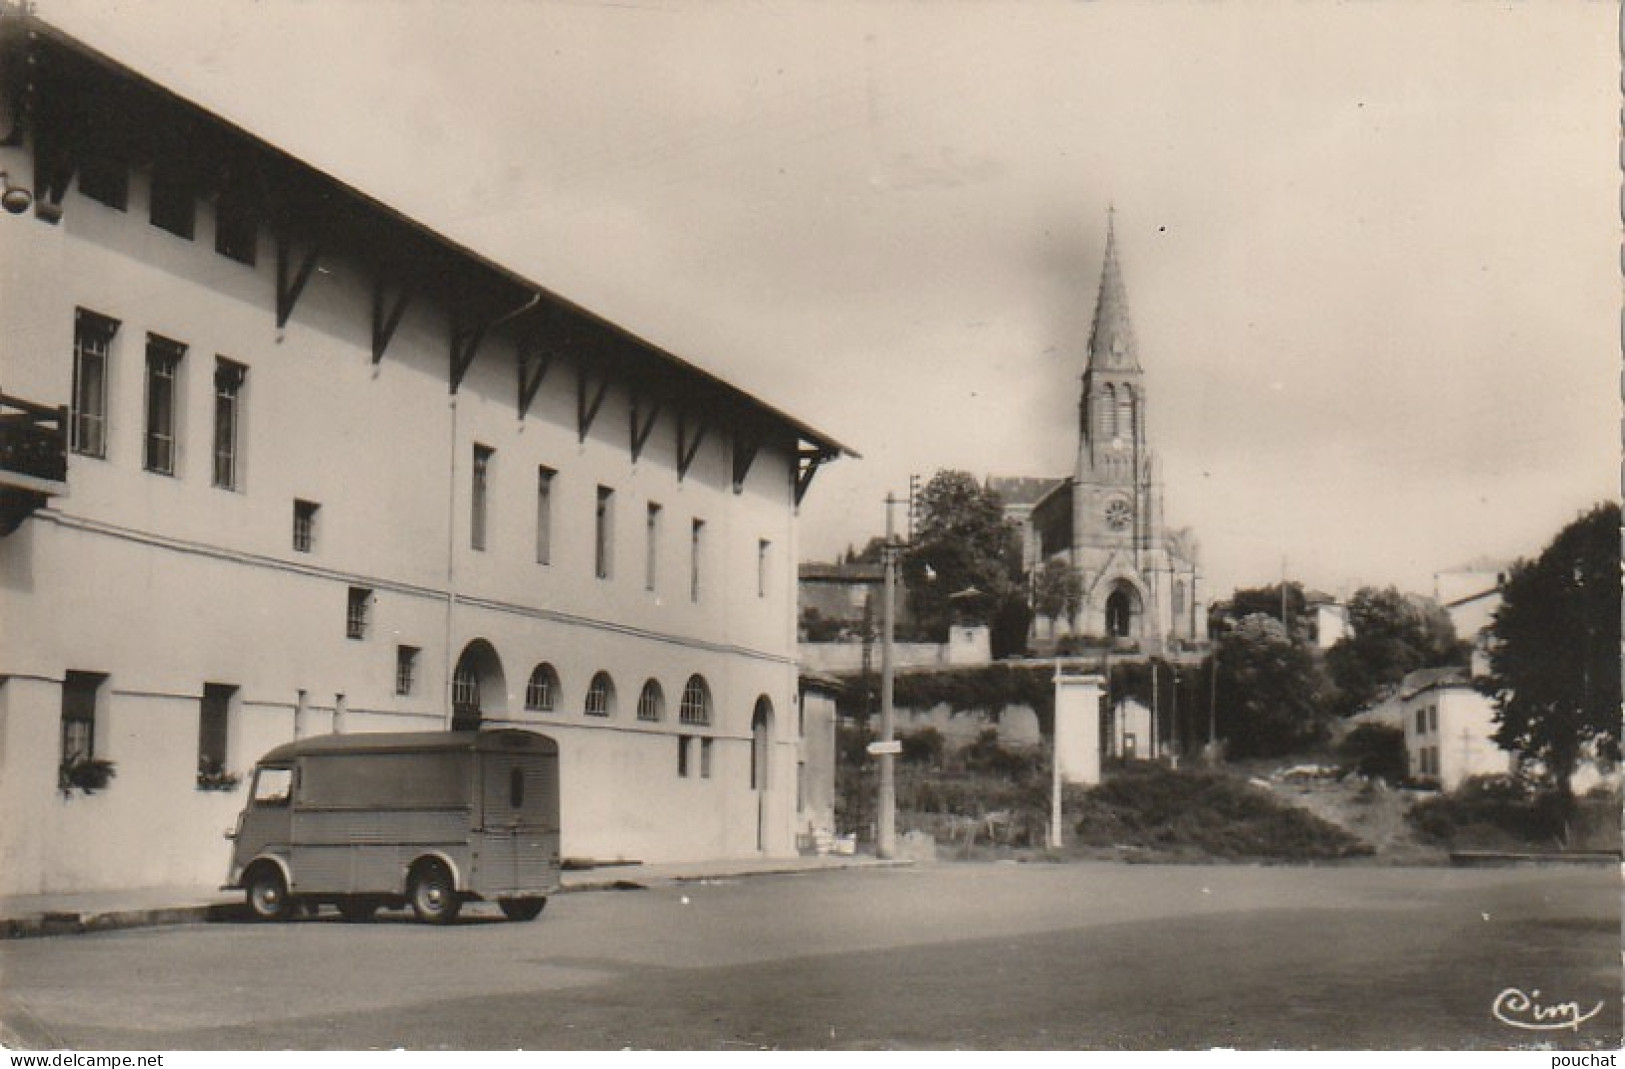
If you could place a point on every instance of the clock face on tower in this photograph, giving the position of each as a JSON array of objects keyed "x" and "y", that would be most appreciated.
[{"x": 1118, "y": 514}]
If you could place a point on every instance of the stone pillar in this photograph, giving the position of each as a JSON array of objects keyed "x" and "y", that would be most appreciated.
[{"x": 1077, "y": 727}]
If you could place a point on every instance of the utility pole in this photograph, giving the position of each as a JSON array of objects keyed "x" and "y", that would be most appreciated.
[
  {"x": 1156, "y": 709},
  {"x": 886, "y": 814},
  {"x": 1213, "y": 706}
]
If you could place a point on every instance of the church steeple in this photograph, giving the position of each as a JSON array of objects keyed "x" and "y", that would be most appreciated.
[{"x": 1111, "y": 339}]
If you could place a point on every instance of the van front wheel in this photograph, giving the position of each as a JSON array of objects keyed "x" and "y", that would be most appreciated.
[
  {"x": 267, "y": 894},
  {"x": 433, "y": 895}
]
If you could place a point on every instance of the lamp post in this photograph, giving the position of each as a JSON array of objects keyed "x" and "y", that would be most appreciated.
[{"x": 886, "y": 810}]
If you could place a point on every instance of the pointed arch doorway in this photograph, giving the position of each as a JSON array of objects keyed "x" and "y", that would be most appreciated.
[{"x": 1123, "y": 611}]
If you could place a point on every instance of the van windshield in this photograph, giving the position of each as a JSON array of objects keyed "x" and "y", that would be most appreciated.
[
  {"x": 272, "y": 786},
  {"x": 386, "y": 780}
]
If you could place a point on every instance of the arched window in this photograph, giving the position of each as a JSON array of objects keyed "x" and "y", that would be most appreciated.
[
  {"x": 601, "y": 696},
  {"x": 651, "y": 702},
  {"x": 465, "y": 688},
  {"x": 761, "y": 731},
  {"x": 1126, "y": 413},
  {"x": 478, "y": 687},
  {"x": 542, "y": 692},
  {"x": 696, "y": 704},
  {"x": 1108, "y": 412}
]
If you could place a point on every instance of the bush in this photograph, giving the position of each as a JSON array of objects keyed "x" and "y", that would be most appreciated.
[
  {"x": 1187, "y": 812},
  {"x": 987, "y": 754},
  {"x": 1376, "y": 751},
  {"x": 1487, "y": 810},
  {"x": 924, "y": 747}
]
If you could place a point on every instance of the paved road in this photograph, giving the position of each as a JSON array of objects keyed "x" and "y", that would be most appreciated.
[{"x": 973, "y": 956}]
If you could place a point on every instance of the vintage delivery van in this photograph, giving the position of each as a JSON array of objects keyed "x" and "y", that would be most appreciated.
[{"x": 426, "y": 819}]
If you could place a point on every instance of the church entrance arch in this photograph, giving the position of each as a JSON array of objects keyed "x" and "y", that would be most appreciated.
[{"x": 1123, "y": 610}]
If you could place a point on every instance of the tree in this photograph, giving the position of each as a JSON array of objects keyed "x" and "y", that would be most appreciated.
[
  {"x": 1555, "y": 652},
  {"x": 1057, "y": 591},
  {"x": 1268, "y": 601},
  {"x": 1266, "y": 690},
  {"x": 963, "y": 543},
  {"x": 1376, "y": 751},
  {"x": 1390, "y": 634}
]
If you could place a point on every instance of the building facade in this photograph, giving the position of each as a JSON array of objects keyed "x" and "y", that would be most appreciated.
[
  {"x": 1449, "y": 728},
  {"x": 1138, "y": 580},
  {"x": 276, "y": 460}
]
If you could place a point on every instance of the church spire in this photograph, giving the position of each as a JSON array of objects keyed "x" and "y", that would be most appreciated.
[{"x": 1111, "y": 340}]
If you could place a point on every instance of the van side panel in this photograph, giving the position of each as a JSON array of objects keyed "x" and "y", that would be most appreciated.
[
  {"x": 360, "y": 820},
  {"x": 369, "y": 850}
]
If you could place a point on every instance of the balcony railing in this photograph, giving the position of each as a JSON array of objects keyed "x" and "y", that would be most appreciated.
[
  {"x": 33, "y": 458},
  {"x": 33, "y": 440}
]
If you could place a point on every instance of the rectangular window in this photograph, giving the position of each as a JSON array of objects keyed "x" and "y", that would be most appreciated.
[
  {"x": 1421, "y": 721},
  {"x": 228, "y": 392},
  {"x": 173, "y": 206},
  {"x": 236, "y": 225},
  {"x": 304, "y": 525},
  {"x": 482, "y": 475},
  {"x": 81, "y": 692},
  {"x": 358, "y": 612},
  {"x": 544, "y": 515},
  {"x": 696, "y": 544},
  {"x": 213, "y": 732},
  {"x": 682, "y": 756},
  {"x": 651, "y": 558},
  {"x": 1433, "y": 718},
  {"x": 406, "y": 669},
  {"x": 163, "y": 394},
  {"x": 705, "y": 758},
  {"x": 764, "y": 550},
  {"x": 105, "y": 180},
  {"x": 604, "y": 536},
  {"x": 92, "y": 345}
]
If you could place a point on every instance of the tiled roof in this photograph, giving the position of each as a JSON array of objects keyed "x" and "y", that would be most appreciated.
[{"x": 1022, "y": 489}]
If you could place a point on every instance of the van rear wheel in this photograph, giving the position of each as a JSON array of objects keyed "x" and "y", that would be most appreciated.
[
  {"x": 267, "y": 894},
  {"x": 522, "y": 909},
  {"x": 433, "y": 895}
]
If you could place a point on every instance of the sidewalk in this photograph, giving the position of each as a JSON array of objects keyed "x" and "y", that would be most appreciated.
[{"x": 24, "y": 916}]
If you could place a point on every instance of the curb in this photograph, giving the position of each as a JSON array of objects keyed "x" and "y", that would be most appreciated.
[
  {"x": 68, "y": 922},
  {"x": 62, "y": 922},
  {"x": 623, "y": 884},
  {"x": 1461, "y": 858}
]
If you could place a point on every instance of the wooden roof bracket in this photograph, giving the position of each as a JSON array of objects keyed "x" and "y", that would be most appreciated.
[
  {"x": 746, "y": 446},
  {"x": 290, "y": 283},
  {"x": 387, "y": 310},
  {"x": 534, "y": 360},
  {"x": 687, "y": 447},
  {"x": 465, "y": 345},
  {"x": 807, "y": 464},
  {"x": 643, "y": 422},
  {"x": 587, "y": 407}
]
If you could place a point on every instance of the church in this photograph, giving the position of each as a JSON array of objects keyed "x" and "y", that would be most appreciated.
[{"x": 1138, "y": 584}]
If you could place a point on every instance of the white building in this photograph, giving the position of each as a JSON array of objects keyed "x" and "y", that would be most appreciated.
[
  {"x": 278, "y": 461},
  {"x": 1449, "y": 728}
]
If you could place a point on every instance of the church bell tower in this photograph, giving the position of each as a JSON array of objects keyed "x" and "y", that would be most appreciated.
[{"x": 1117, "y": 526}]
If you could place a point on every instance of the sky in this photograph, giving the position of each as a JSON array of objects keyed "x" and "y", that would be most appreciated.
[{"x": 1371, "y": 248}]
